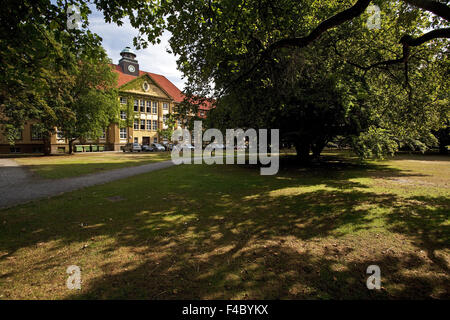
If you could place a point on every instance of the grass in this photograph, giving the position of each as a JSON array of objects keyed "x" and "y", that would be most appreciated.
[
  {"x": 66, "y": 166},
  {"x": 225, "y": 232}
]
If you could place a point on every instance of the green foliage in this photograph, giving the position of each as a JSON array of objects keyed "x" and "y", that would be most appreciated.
[
  {"x": 375, "y": 143},
  {"x": 94, "y": 100},
  {"x": 224, "y": 50},
  {"x": 129, "y": 111},
  {"x": 40, "y": 58},
  {"x": 223, "y": 53},
  {"x": 166, "y": 134}
]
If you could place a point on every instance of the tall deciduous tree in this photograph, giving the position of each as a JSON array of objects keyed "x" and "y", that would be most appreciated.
[
  {"x": 397, "y": 73},
  {"x": 93, "y": 104}
]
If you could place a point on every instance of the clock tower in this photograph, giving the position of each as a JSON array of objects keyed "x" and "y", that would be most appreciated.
[{"x": 128, "y": 63}]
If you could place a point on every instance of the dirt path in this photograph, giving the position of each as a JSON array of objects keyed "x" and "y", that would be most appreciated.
[{"x": 18, "y": 186}]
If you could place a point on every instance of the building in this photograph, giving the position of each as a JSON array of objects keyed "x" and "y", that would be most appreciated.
[
  {"x": 147, "y": 97},
  {"x": 151, "y": 98}
]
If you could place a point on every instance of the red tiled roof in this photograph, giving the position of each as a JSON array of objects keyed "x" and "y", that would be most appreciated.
[{"x": 162, "y": 81}]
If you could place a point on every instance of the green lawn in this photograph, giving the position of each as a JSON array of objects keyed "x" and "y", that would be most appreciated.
[
  {"x": 65, "y": 166},
  {"x": 222, "y": 232}
]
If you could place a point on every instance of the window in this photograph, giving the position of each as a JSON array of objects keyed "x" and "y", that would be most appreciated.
[
  {"x": 103, "y": 135},
  {"x": 149, "y": 106},
  {"x": 123, "y": 133},
  {"x": 136, "y": 140},
  {"x": 142, "y": 124},
  {"x": 165, "y": 106},
  {"x": 36, "y": 134},
  {"x": 136, "y": 105},
  {"x": 14, "y": 150},
  {"x": 149, "y": 124},
  {"x": 136, "y": 124},
  {"x": 155, "y": 125},
  {"x": 155, "y": 107},
  {"x": 155, "y": 140},
  {"x": 164, "y": 119},
  {"x": 123, "y": 115},
  {"x": 59, "y": 135},
  {"x": 123, "y": 100},
  {"x": 142, "y": 106}
]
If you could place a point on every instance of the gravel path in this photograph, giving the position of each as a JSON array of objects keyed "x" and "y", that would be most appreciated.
[{"x": 18, "y": 186}]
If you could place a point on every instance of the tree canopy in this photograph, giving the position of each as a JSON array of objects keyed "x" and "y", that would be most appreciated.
[
  {"x": 389, "y": 84},
  {"x": 93, "y": 103}
]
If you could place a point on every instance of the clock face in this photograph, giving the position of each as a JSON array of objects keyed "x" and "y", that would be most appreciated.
[{"x": 131, "y": 68}]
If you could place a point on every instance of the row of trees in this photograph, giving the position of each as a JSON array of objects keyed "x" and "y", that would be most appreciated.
[{"x": 314, "y": 69}]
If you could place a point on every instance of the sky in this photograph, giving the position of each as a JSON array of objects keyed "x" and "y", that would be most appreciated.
[{"x": 153, "y": 59}]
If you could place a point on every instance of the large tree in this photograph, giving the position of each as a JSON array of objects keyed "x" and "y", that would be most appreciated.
[
  {"x": 93, "y": 102},
  {"x": 334, "y": 87},
  {"x": 399, "y": 71},
  {"x": 300, "y": 96}
]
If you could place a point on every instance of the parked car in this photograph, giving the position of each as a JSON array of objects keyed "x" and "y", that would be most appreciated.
[
  {"x": 168, "y": 146},
  {"x": 185, "y": 146},
  {"x": 241, "y": 147},
  {"x": 147, "y": 148},
  {"x": 188, "y": 146},
  {"x": 158, "y": 147},
  {"x": 132, "y": 147},
  {"x": 217, "y": 145}
]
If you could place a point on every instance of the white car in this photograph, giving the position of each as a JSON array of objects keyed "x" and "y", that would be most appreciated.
[
  {"x": 217, "y": 145},
  {"x": 158, "y": 147},
  {"x": 183, "y": 146}
]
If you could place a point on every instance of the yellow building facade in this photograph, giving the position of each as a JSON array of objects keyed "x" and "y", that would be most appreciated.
[{"x": 146, "y": 101}]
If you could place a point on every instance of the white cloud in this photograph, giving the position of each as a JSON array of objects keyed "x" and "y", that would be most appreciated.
[{"x": 154, "y": 59}]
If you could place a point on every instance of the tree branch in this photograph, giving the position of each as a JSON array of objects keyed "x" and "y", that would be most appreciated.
[
  {"x": 438, "y": 8},
  {"x": 434, "y": 34},
  {"x": 356, "y": 10}
]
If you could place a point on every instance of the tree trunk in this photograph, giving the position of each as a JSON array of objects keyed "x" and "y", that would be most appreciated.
[
  {"x": 47, "y": 146},
  {"x": 71, "y": 146},
  {"x": 302, "y": 150},
  {"x": 317, "y": 149},
  {"x": 443, "y": 136},
  {"x": 443, "y": 148}
]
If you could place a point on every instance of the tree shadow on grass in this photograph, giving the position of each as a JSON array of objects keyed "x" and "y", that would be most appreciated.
[{"x": 227, "y": 232}]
